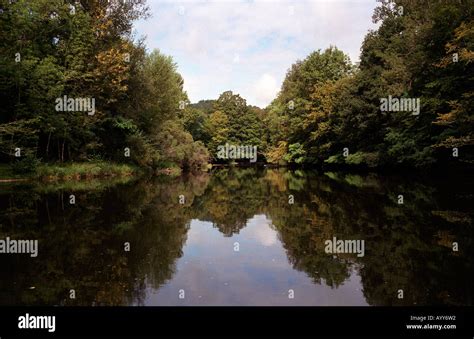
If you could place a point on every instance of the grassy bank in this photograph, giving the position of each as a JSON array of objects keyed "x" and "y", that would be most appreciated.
[
  {"x": 70, "y": 171},
  {"x": 76, "y": 171},
  {"x": 8, "y": 174}
]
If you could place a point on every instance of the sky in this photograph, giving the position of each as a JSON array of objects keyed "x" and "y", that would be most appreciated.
[{"x": 247, "y": 46}]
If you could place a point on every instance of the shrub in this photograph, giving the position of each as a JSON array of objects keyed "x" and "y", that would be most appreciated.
[{"x": 26, "y": 165}]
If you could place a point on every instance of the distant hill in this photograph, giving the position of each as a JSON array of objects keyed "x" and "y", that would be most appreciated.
[{"x": 206, "y": 106}]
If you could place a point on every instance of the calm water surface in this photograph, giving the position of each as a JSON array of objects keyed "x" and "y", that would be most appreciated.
[{"x": 237, "y": 240}]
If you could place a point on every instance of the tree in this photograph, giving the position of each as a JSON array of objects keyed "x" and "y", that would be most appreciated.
[{"x": 217, "y": 127}]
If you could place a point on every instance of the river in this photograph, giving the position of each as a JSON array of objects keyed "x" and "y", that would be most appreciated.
[{"x": 240, "y": 236}]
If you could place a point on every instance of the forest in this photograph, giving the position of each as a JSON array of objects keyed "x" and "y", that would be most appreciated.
[{"x": 328, "y": 111}]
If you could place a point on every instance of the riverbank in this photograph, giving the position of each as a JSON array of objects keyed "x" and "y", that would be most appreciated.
[
  {"x": 69, "y": 171},
  {"x": 101, "y": 170}
]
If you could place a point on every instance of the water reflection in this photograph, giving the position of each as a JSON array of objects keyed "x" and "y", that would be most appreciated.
[{"x": 189, "y": 249}]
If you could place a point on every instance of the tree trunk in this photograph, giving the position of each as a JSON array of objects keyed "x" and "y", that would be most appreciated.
[
  {"x": 47, "y": 145},
  {"x": 62, "y": 151}
]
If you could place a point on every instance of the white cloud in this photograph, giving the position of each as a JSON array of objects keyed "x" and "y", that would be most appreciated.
[
  {"x": 259, "y": 229},
  {"x": 243, "y": 45},
  {"x": 265, "y": 90}
]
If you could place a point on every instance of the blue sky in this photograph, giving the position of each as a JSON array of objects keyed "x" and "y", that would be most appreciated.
[{"x": 247, "y": 46}]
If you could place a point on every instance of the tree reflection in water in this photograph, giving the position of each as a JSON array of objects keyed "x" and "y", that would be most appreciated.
[{"x": 81, "y": 246}]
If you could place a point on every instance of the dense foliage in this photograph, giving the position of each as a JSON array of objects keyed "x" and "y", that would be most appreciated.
[
  {"x": 420, "y": 50},
  {"x": 85, "y": 49}
]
